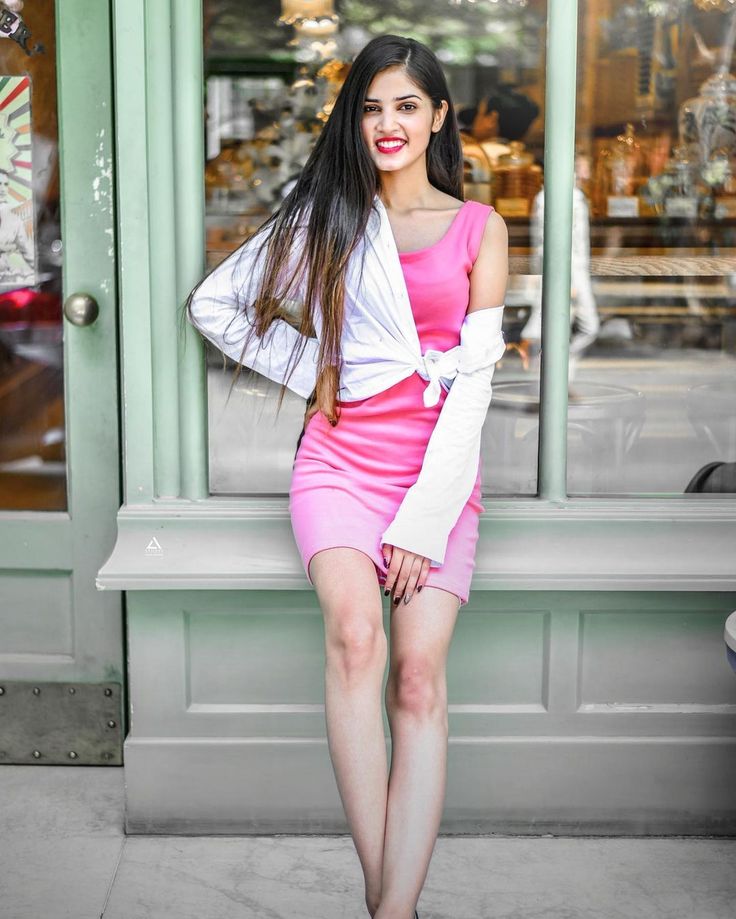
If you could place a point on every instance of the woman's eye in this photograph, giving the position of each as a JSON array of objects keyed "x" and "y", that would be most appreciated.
[{"x": 371, "y": 108}]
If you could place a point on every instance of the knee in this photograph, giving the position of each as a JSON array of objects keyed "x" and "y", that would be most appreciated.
[
  {"x": 416, "y": 687},
  {"x": 356, "y": 647}
]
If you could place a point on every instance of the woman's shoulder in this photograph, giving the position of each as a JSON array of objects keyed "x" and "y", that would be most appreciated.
[
  {"x": 489, "y": 230},
  {"x": 481, "y": 208},
  {"x": 475, "y": 214},
  {"x": 491, "y": 221}
]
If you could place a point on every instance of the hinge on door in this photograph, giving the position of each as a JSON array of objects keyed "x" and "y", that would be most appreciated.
[{"x": 70, "y": 724}]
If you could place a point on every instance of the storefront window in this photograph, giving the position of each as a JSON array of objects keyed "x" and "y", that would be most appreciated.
[
  {"x": 652, "y": 382},
  {"x": 272, "y": 70},
  {"x": 32, "y": 424}
]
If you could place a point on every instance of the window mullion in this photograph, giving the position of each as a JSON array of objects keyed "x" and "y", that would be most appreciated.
[
  {"x": 187, "y": 67},
  {"x": 559, "y": 156}
]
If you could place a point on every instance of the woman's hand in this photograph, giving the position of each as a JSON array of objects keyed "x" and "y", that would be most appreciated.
[{"x": 406, "y": 572}]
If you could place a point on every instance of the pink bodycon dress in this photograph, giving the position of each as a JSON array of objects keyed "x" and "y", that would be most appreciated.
[{"x": 349, "y": 480}]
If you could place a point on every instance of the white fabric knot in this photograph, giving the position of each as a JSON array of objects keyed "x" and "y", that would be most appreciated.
[
  {"x": 436, "y": 364},
  {"x": 463, "y": 358},
  {"x": 482, "y": 343}
]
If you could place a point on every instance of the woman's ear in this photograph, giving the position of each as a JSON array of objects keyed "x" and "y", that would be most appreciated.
[{"x": 439, "y": 116}]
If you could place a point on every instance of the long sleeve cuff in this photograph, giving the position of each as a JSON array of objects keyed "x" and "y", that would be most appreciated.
[{"x": 433, "y": 504}]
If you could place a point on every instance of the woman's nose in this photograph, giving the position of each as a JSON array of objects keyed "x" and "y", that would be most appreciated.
[{"x": 387, "y": 125}]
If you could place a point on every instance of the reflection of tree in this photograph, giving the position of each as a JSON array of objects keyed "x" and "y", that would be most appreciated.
[
  {"x": 232, "y": 27},
  {"x": 471, "y": 32},
  {"x": 459, "y": 34}
]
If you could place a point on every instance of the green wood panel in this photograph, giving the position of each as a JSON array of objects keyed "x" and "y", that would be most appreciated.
[{"x": 576, "y": 712}]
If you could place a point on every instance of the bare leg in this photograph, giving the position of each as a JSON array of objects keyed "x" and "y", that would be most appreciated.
[
  {"x": 416, "y": 700},
  {"x": 355, "y": 661}
]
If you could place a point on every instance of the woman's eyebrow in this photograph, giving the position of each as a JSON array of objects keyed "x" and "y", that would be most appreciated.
[{"x": 396, "y": 98}]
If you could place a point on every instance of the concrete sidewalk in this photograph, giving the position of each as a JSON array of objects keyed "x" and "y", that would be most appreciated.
[{"x": 63, "y": 855}]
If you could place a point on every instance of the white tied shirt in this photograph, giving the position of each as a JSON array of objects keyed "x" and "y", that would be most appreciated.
[{"x": 380, "y": 346}]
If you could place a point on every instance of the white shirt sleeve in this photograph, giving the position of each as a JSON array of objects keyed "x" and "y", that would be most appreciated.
[
  {"x": 219, "y": 312},
  {"x": 432, "y": 505}
]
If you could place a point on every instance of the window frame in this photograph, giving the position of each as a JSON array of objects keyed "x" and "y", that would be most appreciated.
[{"x": 549, "y": 540}]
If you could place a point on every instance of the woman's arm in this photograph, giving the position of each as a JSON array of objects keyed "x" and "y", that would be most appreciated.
[
  {"x": 218, "y": 311},
  {"x": 432, "y": 506}
]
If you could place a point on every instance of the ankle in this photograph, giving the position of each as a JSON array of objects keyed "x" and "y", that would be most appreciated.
[{"x": 389, "y": 912}]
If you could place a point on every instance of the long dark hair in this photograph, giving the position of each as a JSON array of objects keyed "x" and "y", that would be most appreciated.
[{"x": 332, "y": 200}]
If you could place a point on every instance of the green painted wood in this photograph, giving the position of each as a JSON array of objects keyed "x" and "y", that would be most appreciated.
[
  {"x": 525, "y": 544},
  {"x": 159, "y": 115},
  {"x": 27, "y": 538},
  {"x": 188, "y": 98},
  {"x": 84, "y": 69},
  {"x": 559, "y": 153},
  {"x": 55, "y": 625},
  {"x": 134, "y": 234},
  {"x": 577, "y": 712},
  {"x": 159, "y": 126}
]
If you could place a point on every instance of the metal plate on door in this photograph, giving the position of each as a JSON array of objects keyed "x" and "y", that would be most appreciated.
[{"x": 71, "y": 724}]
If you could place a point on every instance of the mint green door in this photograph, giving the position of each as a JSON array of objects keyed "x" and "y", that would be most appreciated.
[{"x": 61, "y": 640}]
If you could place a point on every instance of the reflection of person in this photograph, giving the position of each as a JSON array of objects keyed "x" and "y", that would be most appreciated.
[
  {"x": 583, "y": 308},
  {"x": 480, "y": 125},
  {"x": 13, "y": 238},
  {"x": 391, "y": 148},
  {"x": 502, "y": 115}
]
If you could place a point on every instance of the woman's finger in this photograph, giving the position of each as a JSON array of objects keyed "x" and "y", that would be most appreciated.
[
  {"x": 423, "y": 573},
  {"x": 402, "y": 577},
  {"x": 394, "y": 564},
  {"x": 407, "y": 579},
  {"x": 414, "y": 578}
]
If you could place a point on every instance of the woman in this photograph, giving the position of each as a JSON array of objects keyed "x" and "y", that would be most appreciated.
[{"x": 391, "y": 143}]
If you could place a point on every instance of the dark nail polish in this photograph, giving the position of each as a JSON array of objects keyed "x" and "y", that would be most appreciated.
[
  {"x": 419, "y": 588},
  {"x": 397, "y": 599},
  {"x": 386, "y": 592}
]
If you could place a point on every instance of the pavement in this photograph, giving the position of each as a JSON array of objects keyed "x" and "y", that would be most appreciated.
[{"x": 64, "y": 855}]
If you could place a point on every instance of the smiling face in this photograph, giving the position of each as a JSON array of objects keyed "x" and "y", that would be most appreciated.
[{"x": 398, "y": 120}]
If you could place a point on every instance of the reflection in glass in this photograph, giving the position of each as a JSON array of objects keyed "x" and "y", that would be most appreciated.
[
  {"x": 271, "y": 78},
  {"x": 653, "y": 397},
  {"x": 32, "y": 426}
]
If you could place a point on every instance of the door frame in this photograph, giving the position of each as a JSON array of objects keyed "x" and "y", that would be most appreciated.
[{"x": 54, "y": 556}]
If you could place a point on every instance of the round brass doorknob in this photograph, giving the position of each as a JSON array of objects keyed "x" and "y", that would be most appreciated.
[{"x": 81, "y": 309}]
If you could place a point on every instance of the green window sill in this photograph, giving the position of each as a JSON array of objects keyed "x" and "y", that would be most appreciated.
[{"x": 525, "y": 544}]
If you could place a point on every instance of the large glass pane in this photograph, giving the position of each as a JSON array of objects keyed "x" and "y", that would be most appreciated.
[
  {"x": 269, "y": 88},
  {"x": 653, "y": 374},
  {"x": 32, "y": 429}
]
